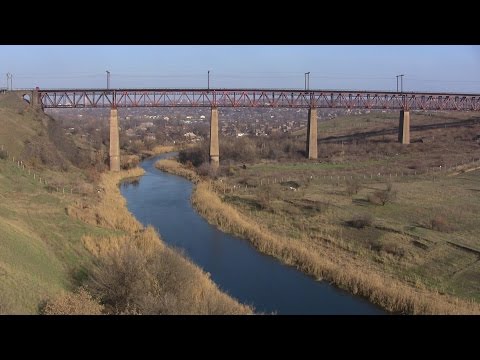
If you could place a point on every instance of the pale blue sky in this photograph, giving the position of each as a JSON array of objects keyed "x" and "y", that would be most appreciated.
[{"x": 428, "y": 68}]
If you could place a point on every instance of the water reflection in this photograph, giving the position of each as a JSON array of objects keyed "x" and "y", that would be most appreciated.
[{"x": 163, "y": 200}]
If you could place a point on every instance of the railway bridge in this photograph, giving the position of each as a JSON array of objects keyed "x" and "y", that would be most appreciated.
[{"x": 259, "y": 98}]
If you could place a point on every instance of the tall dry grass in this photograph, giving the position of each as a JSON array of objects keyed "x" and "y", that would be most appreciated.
[
  {"x": 136, "y": 273},
  {"x": 173, "y": 167},
  {"x": 331, "y": 263},
  {"x": 5, "y": 305},
  {"x": 161, "y": 149},
  {"x": 108, "y": 209}
]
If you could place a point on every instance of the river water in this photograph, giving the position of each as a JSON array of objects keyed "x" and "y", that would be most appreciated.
[{"x": 163, "y": 201}]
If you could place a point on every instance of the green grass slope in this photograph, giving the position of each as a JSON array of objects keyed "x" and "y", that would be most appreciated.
[{"x": 40, "y": 248}]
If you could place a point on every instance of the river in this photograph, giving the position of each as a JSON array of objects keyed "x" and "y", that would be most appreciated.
[{"x": 163, "y": 201}]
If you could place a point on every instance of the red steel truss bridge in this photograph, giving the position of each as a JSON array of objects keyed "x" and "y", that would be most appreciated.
[{"x": 273, "y": 98}]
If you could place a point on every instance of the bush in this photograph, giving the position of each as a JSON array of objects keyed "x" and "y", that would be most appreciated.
[
  {"x": 440, "y": 223},
  {"x": 361, "y": 221},
  {"x": 393, "y": 249},
  {"x": 381, "y": 197},
  {"x": 3, "y": 154},
  {"x": 196, "y": 156},
  {"x": 266, "y": 194},
  {"x": 66, "y": 146},
  {"x": 77, "y": 303},
  {"x": 129, "y": 162},
  {"x": 136, "y": 274},
  {"x": 245, "y": 150},
  {"x": 230, "y": 171},
  {"x": 206, "y": 169},
  {"x": 353, "y": 186}
]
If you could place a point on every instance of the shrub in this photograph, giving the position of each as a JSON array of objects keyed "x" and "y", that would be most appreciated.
[
  {"x": 66, "y": 146},
  {"x": 361, "y": 221},
  {"x": 440, "y": 223},
  {"x": 129, "y": 162},
  {"x": 78, "y": 303},
  {"x": 3, "y": 154},
  {"x": 394, "y": 249},
  {"x": 266, "y": 194},
  {"x": 381, "y": 197},
  {"x": 196, "y": 156},
  {"x": 353, "y": 186},
  {"x": 136, "y": 274},
  {"x": 206, "y": 169},
  {"x": 229, "y": 171}
]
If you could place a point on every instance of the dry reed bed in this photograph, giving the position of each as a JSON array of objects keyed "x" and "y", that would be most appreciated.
[
  {"x": 174, "y": 167},
  {"x": 136, "y": 272},
  {"x": 331, "y": 263}
]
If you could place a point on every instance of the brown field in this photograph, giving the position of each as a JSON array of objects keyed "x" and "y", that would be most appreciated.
[{"x": 417, "y": 253}]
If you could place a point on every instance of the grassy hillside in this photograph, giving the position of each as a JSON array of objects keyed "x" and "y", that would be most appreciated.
[
  {"x": 40, "y": 248},
  {"x": 50, "y": 241}
]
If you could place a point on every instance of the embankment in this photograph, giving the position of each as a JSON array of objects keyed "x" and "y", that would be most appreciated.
[
  {"x": 164, "y": 281},
  {"x": 330, "y": 263}
]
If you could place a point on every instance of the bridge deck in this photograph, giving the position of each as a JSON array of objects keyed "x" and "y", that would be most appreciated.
[{"x": 272, "y": 98}]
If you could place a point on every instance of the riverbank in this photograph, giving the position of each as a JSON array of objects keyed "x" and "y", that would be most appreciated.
[
  {"x": 323, "y": 260},
  {"x": 155, "y": 278}
]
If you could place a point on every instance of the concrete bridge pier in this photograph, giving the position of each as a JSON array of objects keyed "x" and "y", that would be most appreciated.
[
  {"x": 214, "y": 146},
  {"x": 114, "y": 141},
  {"x": 35, "y": 99},
  {"x": 312, "y": 152},
  {"x": 404, "y": 127}
]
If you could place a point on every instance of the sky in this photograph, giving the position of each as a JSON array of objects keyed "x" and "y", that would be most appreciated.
[{"x": 356, "y": 67}]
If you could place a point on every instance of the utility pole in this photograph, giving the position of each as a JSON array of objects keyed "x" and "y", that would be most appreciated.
[
  {"x": 208, "y": 83},
  {"x": 401, "y": 82},
  {"x": 9, "y": 81},
  {"x": 307, "y": 82},
  {"x": 108, "y": 79}
]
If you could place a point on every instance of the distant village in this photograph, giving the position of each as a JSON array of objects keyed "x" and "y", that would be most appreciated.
[{"x": 190, "y": 125}]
